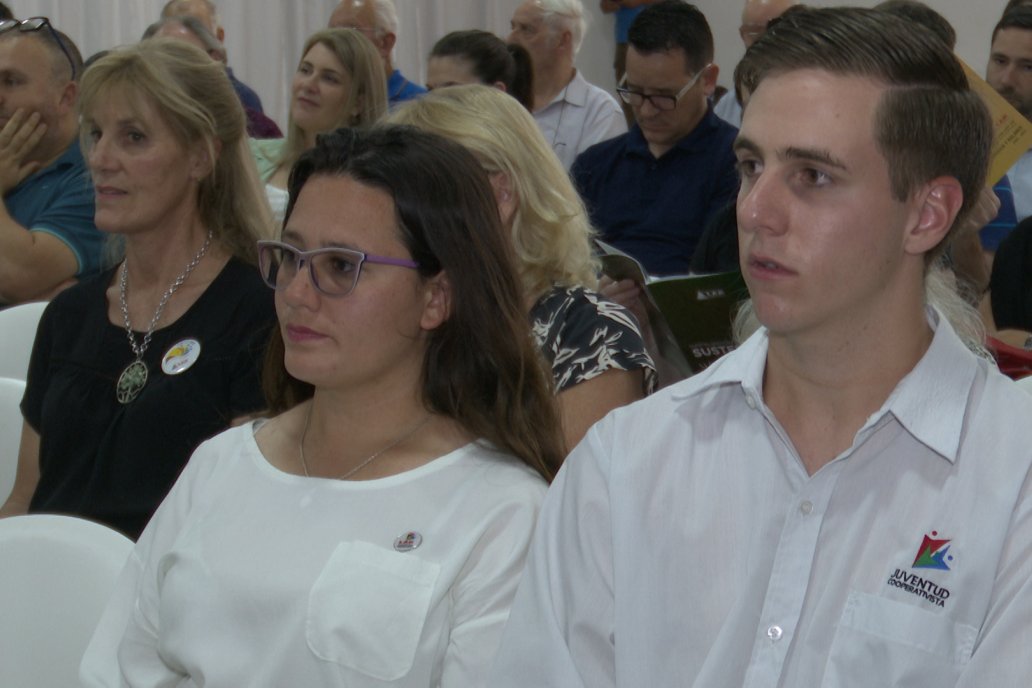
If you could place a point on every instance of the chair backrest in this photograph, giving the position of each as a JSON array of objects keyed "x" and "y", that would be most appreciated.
[
  {"x": 11, "y": 392},
  {"x": 56, "y": 575},
  {"x": 17, "y": 333}
]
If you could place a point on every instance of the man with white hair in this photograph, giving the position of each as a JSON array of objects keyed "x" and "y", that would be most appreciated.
[
  {"x": 755, "y": 16},
  {"x": 206, "y": 12},
  {"x": 572, "y": 114},
  {"x": 378, "y": 20}
]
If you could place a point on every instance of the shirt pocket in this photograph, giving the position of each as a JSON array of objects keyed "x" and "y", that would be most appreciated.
[
  {"x": 368, "y": 607},
  {"x": 883, "y": 642}
]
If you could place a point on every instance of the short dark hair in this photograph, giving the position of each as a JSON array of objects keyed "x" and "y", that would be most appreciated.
[
  {"x": 1015, "y": 3},
  {"x": 492, "y": 61},
  {"x": 673, "y": 24},
  {"x": 929, "y": 122},
  {"x": 5, "y": 12},
  {"x": 481, "y": 366},
  {"x": 59, "y": 66},
  {"x": 922, "y": 15},
  {"x": 1016, "y": 17}
]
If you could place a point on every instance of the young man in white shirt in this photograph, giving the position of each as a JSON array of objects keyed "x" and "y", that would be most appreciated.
[{"x": 844, "y": 500}]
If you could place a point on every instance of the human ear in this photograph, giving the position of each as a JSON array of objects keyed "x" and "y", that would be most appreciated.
[
  {"x": 201, "y": 162},
  {"x": 505, "y": 196},
  {"x": 709, "y": 78},
  {"x": 938, "y": 203},
  {"x": 437, "y": 307}
]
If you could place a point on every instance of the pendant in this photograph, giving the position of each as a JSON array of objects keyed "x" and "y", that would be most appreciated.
[{"x": 131, "y": 381}]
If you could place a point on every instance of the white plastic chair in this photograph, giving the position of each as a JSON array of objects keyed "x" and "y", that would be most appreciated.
[
  {"x": 11, "y": 392},
  {"x": 17, "y": 333},
  {"x": 56, "y": 575}
]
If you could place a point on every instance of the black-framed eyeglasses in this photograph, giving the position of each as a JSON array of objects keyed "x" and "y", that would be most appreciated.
[
  {"x": 662, "y": 102},
  {"x": 35, "y": 24},
  {"x": 334, "y": 271}
]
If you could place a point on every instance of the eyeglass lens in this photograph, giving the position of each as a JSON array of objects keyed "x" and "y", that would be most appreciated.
[{"x": 333, "y": 271}]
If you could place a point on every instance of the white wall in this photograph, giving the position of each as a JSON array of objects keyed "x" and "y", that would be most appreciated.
[{"x": 264, "y": 37}]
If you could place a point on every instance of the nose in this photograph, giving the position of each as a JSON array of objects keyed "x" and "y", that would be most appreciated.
[
  {"x": 760, "y": 205},
  {"x": 1005, "y": 76},
  {"x": 300, "y": 291},
  {"x": 99, "y": 157}
]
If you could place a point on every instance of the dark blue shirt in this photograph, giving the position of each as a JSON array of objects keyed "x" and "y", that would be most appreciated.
[
  {"x": 248, "y": 98},
  {"x": 400, "y": 89},
  {"x": 1006, "y": 218},
  {"x": 58, "y": 200},
  {"x": 656, "y": 209}
]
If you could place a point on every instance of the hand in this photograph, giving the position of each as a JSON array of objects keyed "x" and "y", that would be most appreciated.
[
  {"x": 627, "y": 293},
  {"x": 18, "y": 138}
]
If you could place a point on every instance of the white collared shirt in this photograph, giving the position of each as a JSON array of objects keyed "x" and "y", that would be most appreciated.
[
  {"x": 1020, "y": 176},
  {"x": 684, "y": 543},
  {"x": 580, "y": 116}
]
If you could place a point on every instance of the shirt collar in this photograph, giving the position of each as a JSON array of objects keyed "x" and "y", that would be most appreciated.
[
  {"x": 575, "y": 92},
  {"x": 698, "y": 139},
  {"x": 929, "y": 402}
]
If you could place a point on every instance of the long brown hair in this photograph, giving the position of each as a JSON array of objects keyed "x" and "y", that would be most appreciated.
[{"x": 481, "y": 366}]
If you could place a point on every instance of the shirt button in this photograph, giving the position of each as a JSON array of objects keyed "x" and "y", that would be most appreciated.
[
  {"x": 750, "y": 402},
  {"x": 806, "y": 507},
  {"x": 774, "y": 633}
]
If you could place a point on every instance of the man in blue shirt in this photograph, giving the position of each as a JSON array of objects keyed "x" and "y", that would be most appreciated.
[
  {"x": 47, "y": 235},
  {"x": 378, "y": 20},
  {"x": 653, "y": 190}
]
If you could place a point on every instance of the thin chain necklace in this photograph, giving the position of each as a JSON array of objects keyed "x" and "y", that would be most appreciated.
[
  {"x": 134, "y": 375},
  {"x": 365, "y": 462}
]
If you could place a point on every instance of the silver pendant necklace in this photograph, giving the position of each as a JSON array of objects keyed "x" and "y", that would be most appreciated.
[
  {"x": 365, "y": 462},
  {"x": 134, "y": 376}
]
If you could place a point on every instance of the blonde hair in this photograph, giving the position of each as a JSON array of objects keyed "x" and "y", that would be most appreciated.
[
  {"x": 550, "y": 227},
  {"x": 367, "y": 86},
  {"x": 194, "y": 97}
]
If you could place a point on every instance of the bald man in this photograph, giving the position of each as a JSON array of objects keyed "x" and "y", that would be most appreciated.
[
  {"x": 206, "y": 12},
  {"x": 755, "y": 16},
  {"x": 378, "y": 20}
]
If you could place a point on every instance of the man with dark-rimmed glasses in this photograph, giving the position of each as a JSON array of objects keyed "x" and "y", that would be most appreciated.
[
  {"x": 652, "y": 191},
  {"x": 47, "y": 235}
]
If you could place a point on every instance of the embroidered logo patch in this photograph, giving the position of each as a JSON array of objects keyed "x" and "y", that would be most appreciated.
[{"x": 933, "y": 554}]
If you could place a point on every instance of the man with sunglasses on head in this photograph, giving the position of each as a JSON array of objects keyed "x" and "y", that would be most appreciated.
[
  {"x": 47, "y": 235},
  {"x": 652, "y": 191}
]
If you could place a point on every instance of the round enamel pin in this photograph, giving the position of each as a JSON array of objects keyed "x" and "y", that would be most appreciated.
[
  {"x": 181, "y": 356},
  {"x": 408, "y": 541}
]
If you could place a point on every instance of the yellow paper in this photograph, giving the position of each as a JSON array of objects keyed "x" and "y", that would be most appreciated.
[{"x": 1012, "y": 133}]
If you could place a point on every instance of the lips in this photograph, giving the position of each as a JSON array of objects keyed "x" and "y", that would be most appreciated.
[
  {"x": 764, "y": 267},
  {"x": 104, "y": 192},
  {"x": 299, "y": 334}
]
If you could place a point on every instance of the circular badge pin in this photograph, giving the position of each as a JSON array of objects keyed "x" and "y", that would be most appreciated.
[
  {"x": 408, "y": 541},
  {"x": 180, "y": 356}
]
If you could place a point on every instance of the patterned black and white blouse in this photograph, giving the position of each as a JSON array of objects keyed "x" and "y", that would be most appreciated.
[{"x": 583, "y": 334}]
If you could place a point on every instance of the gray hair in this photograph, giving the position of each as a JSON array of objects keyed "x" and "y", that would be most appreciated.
[
  {"x": 568, "y": 15},
  {"x": 194, "y": 26}
]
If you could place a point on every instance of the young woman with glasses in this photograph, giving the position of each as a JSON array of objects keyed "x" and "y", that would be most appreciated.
[{"x": 372, "y": 533}]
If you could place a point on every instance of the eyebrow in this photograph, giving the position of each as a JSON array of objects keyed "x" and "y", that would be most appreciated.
[
  {"x": 818, "y": 155},
  {"x": 298, "y": 240}
]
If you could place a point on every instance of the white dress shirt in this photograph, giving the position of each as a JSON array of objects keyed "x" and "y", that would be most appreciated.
[
  {"x": 248, "y": 576},
  {"x": 1020, "y": 176},
  {"x": 578, "y": 118},
  {"x": 728, "y": 109},
  {"x": 684, "y": 543}
]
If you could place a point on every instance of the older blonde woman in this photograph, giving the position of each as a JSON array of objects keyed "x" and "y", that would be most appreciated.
[
  {"x": 132, "y": 370},
  {"x": 594, "y": 346},
  {"x": 339, "y": 82}
]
